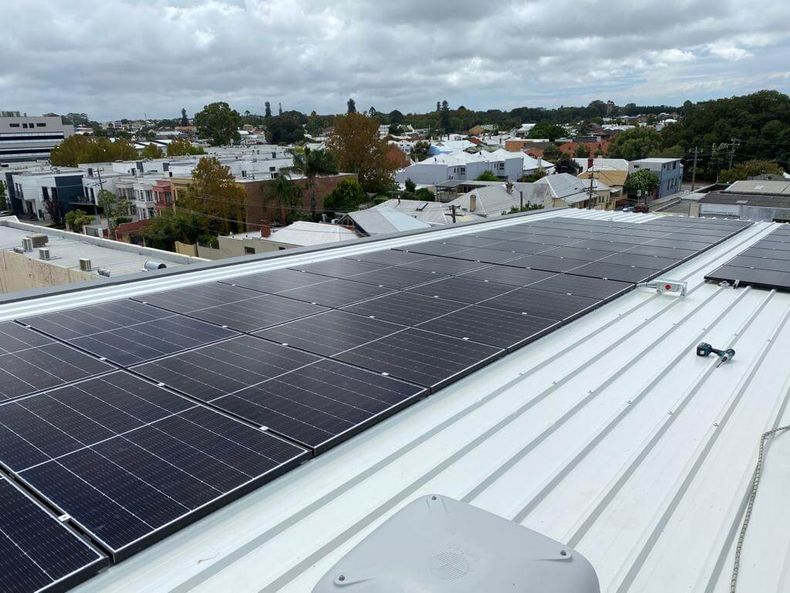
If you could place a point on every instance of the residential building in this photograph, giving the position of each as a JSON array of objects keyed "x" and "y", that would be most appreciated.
[
  {"x": 568, "y": 191},
  {"x": 381, "y": 221},
  {"x": 755, "y": 199},
  {"x": 24, "y": 138},
  {"x": 497, "y": 200},
  {"x": 463, "y": 166},
  {"x": 432, "y": 213},
  {"x": 35, "y": 191},
  {"x": 668, "y": 170},
  {"x": 600, "y": 163},
  {"x": 303, "y": 234}
]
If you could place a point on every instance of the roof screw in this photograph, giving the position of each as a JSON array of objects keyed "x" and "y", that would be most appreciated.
[
  {"x": 341, "y": 578},
  {"x": 563, "y": 553}
]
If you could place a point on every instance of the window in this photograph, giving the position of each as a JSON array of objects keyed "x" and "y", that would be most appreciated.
[
  {"x": 249, "y": 250},
  {"x": 14, "y": 125},
  {"x": 40, "y": 125}
]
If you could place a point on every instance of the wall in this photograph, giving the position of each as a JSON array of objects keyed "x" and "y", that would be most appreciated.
[{"x": 19, "y": 272}]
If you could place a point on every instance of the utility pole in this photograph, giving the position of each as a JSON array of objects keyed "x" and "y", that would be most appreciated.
[
  {"x": 521, "y": 200},
  {"x": 694, "y": 170},
  {"x": 714, "y": 159},
  {"x": 452, "y": 212},
  {"x": 733, "y": 146}
]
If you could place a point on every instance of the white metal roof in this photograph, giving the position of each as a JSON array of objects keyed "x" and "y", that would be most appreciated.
[
  {"x": 384, "y": 220},
  {"x": 303, "y": 233},
  {"x": 608, "y": 434}
]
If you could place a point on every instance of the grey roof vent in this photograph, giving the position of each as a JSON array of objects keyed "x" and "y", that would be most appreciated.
[
  {"x": 441, "y": 545},
  {"x": 153, "y": 265}
]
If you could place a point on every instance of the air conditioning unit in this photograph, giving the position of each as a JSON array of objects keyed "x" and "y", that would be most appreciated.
[
  {"x": 85, "y": 264},
  {"x": 27, "y": 244},
  {"x": 39, "y": 240},
  {"x": 43, "y": 253}
]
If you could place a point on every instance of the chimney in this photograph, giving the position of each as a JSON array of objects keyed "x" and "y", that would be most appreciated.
[
  {"x": 472, "y": 202},
  {"x": 266, "y": 231}
]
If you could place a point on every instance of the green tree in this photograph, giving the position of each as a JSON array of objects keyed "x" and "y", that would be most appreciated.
[
  {"x": 83, "y": 149},
  {"x": 548, "y": 130},
  {"x": 348, "y": 196},
  {"x": 3, "y": 197},
  {"x": 311, "y": 164},
  {"x": 152, "y": 151},
  {"x": 112, "y": 208},
  {"x": 286, "y": 128},
  {"x": 168, "y": 227},
  {"x": 635, "y": 144},
  {"x": 215, "y": 195},
  {"x": 565, "y": 164},
  {"x": 643, "y": 180},
  {"x": 356, "y": 146},
  {"x": 487, "y": 176},
  {"x": 751, "y": 168},
  {"x": 77, "y": 219},
  {"x": 419, "y": 151},
  {"x": 582, "y": 151},
  {"x": 184, "y": 119},
  {"x": 410, "y": 186},
  {"x": 424, "y": 195},
  {"x": 532, "y": 177},
  {"x": 286, "y": 194},
  {"x": 267, "y": 110},
  {"x": 218, "y": 122},
  {"x": 445, "y": 123},
  {"x": 183, "y": 147},
  {"x": 552, "y": 153},
  {"x": 351, "y": 106}
]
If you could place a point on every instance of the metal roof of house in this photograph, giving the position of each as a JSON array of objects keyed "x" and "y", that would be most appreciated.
[
  {"x": 609, "y": 435},
  {"x": 564, "y": 185},
  {"x": 432, "y": 213},
  {"x": 303, "y": 233},
  {"x": 747, "y": 199},
  {"x": 760, "y": 186},
  {"x": 385, "y": 220}
]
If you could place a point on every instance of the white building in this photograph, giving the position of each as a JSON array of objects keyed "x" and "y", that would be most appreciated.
[
  {"x": 463, "y": 166},
  {"x": 24, "y": 138}
]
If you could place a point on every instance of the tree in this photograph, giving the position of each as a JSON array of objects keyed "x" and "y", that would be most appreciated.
[
  {"x": 3, "y": 198},
  {"x": 83, "y": 149},
  {"x": 445, "y": 124},
  {"x": 552, "y": 152},
  {"x": 286, "y": 194},
  {"x": 267, "y": 110},
  {"x": 565, "y": 164},
  {"x": 348, "y": 196},
  {"x": 311, "y": 164},
  {"x": 532, "y": 177},
  {"x": 352, "y": 106},
  {"x": 183, "y": 147},
  {"x": 184, "y": 118},
  {"x": 215, "y": 195},
  {"x": 749, "y": 169},
  {"x": 356, "y": 145},
  {"x": 424, "y": 195},
  {"x": 77, "y": 219},
  {"x": 635, "y": 144},
  {"x": 279, "y": 109},
  {"x": 54, "y": 209},
  {"x": 218, "y": 122},
  {"x": 394, "y": 130},
  {"x": 487, "y": 176},
  {"x": 548, "y": 130},
  {"x": 410, "y": 186},
  {"x": 396, "y": 117},
  {"x": 168, "y": 227},
  {"x": 286, "y": 128},
  {"x": 582, "y": 151},
  {"x": 112, "y": 208},
  {"x": 419, "y": 151},
  {"x": 152, "y": 151},
  {"x": 643, "y": 180}
]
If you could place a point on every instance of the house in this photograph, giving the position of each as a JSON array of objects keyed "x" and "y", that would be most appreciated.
[
  {"x": 36, "y": 192},
  {"x": 432, "y": 213},
  {"x": 496, "y": 200},
  {"x": 568, "y": 191},
  {"x": 463, "y": 166},
  {"x": 600, "y": 163},
  {"x": 302, "y": 234},
  {"x": 381, "y": 221},
  {"x": 668, "y": 170},
  {"x": 754, "y": 199}
]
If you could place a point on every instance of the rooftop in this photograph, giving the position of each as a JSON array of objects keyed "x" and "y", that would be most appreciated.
[
  {"x": 302, "y": 233},
  {"x": 385, "y": 220},
  {"x": 760, "y": 186}
]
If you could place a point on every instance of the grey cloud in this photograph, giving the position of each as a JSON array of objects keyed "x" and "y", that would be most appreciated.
[{"x": 113, "y": 58}]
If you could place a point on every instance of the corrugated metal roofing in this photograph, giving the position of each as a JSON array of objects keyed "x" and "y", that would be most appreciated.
[
  {"x": 610, "y": 435},
  {"x": 384, "y": 220}
]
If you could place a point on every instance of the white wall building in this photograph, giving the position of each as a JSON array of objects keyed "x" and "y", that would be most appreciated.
[
  {"x": 463, "y": 166},
  {"x": 25, "y": 138}
]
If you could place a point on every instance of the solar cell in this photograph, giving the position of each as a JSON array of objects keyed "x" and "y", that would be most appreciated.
[
  {"x": 762, "y": 263},
  {"x": 216, "y": 370},
  {"x": 330, "y": 333},
  {"x": 619, "y": 272},
  {"x": 260, "y": 312},
  {"x": 390, "y": 257},
  {"x": 547, "y": 263},
  {"x": 435, "y": 248},
  {"x": 14, "y": 337},
  {"x": 463, "y": 289},
  {"x": 321, "y": 404},
  {"x": 668, "y": 252},
  {"x": 421, "y": 357},
  {"x": 545, "y": 304},
  {"x": 524, "y": 247},
  {"x": 201, "y": 296},
  {"x": 761, "y": 266},
  {"x": 405, "y": 308},
  {"x": 131, "y": 462},
  {"x": 509, "y": 275},
  {"x": 38, "y": 553},
  {"x": 495, "y": 327},
  {"x": 145, "y": 341},
  {"x": 579, "y": 253},
  {"x": 336, "y": 293},
  {"x": 276, "y": 280},
  {"x": 489, "y": 256},
  {"x": 594, "y": 288},
  {"x": 340, "y": 267},
  {"x": 471, "y": 241},
  {"x": 397, "y": 277},
  {"x": 445, "y": 265},
  {"x": 643, "y": 261}
]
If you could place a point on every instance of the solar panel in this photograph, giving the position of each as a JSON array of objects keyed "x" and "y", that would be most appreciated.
[
  {"x": 495, "y": 327},
  {"x": 547, "y": 263},
  {"x": 130, "y": 462},
  {"x": 216, "y": 370},
  {"x": 766, "y": 264},
  {"x": 340, "y": 267},
  {"x": 258, "y": 313},
  {"x": 434, "y": 248},
  {"x": 643, "y": 261},
  {"x": 421, "y": 357},
  {"x": 145, "y": 341},
  {"x": 38, "y": 553},
  {"x": 594, "y": 288},
  {"x": 330, "y": 333},
  {"x": 523, "y": 247},
  {"x": 336, "y": 293},
  {"x": 463, "y": 289},
  {"x": 668, "y": 252},
  {"x": 471, "y": 241},
  {"x": 509, "y": 275},
  {"x": 579, "y": 253},
  {"x": 276, "y": 281},
  {"x": 619, "y": 272},
  {"x": 540, "y": 303},
  {"x": 397, "y": 277},
  {"x": 200, "y": 296},
  {"x": 390, "y": 257},
  {"x": 405, "y": 308},
  {"x": 489, "y": 256},
  {"x": 322, "y": 404},
  {"x": 85, "y": 321}
]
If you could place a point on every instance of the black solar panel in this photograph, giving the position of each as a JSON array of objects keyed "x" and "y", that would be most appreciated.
[
  {"x": 397, "y": 277},
  {"x": 594, "y": 288},
  {"x": 336, "y": 293},
  {"x": 38, "y": 553},
  {"x": 390, "y": 257},
  {"x": 489, "y": 256},
  {"x": 668, "y": 252},
  {"x": 547, "y": 263},
  {"x": 619, "y": 272},
  {"x": 276, "y": 281},
  {"x": 260, "y": 312},
  {"x": 471, "y": 241},
  {"x": 339, "y": 268},
  {"x": 435, "y": 248},
  {"x": 544, "y": 304},
  {"x": 446, "y": 266},
  {"x": 322, "y": 404},
  {"x": 85, "y": 321},
  {"x": 766, "y": 264},
  {"x": 405, "y": 308},
  {"x": 509, "y": 275},
  {"x": 201, "y": 296},
  {"x": 523, "y": 247},
  {"x": 463, "y": 289},
  {"x": 146, "y": 341},
  {"x": 421, "y": 357},
  {"x": 644, "y": 261},
  {"x": 330, "y": 333},
  {"x": 579, "y": 253},
  {"x": 131, "y": 462},
  {"x": 502, "y": 329},
  {"x": 216, "y": 370}
]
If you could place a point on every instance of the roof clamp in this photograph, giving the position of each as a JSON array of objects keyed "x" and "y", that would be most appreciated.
[
  {"x": 661, "y": 286},
  {"x": 705, "y": 350}
]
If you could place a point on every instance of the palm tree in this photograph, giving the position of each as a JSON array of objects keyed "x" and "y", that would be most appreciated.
[
  {"x": 286, "y": 193},
  {"x": 312, "y": 163}
]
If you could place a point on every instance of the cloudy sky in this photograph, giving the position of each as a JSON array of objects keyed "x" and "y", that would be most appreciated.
[{"x": 127, "y": 58}]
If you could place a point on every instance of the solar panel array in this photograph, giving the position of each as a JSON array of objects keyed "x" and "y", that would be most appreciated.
[
  {"x": 766, "y": 264},
  {"x": 134, "y": 417}
]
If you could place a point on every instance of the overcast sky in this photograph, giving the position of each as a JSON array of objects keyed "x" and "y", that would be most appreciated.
[{"x": 127, "y": 58}]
